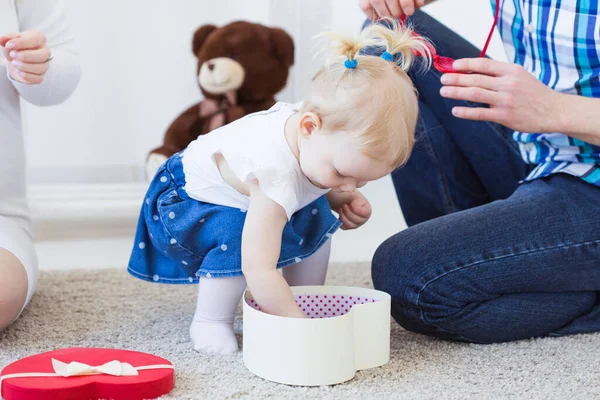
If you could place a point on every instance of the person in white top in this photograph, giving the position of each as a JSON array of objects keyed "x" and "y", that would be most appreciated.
[
  {"x": 257, "y": 194},
  {"x": 37, "y": 64}
]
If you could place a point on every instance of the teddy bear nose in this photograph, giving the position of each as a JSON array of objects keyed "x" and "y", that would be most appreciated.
[{"x": 211, "y": 66}]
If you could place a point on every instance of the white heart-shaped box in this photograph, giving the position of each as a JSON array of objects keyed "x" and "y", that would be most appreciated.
[{"x": 319, "y": 350}]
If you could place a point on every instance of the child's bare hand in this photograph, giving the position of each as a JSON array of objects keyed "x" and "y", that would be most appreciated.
[
  {"x": 27, "y": 56},
  {"x": 355, "y": 212}
]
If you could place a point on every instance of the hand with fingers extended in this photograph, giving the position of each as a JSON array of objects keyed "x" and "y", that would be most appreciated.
[
  {"x": 376, "y": 9},
  {"x": 514, "y": 97},
  {"x": 27, "y": 56}
]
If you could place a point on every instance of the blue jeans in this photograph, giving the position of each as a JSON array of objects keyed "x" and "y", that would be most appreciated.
[{"x": 486, "y": 259}]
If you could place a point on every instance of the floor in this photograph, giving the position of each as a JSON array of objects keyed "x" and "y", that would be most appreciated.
[{"x": 109, "y": 308}]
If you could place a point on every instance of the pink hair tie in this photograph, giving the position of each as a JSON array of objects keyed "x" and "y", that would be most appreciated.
[{"x": 444, "y": 64}]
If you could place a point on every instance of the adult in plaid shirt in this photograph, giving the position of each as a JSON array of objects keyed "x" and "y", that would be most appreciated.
[{"x": 502, "y": 190}]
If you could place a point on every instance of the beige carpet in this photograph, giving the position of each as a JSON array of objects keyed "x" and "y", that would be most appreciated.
[{"x": 109, "y": 308}]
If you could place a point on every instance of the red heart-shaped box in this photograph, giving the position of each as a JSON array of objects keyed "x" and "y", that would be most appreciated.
[{"x": 149, "y": 384}]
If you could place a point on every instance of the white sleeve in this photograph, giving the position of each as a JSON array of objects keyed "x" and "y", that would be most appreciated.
[
  {"x": 279, "y": 187},
  {"x": 275, "y": 178},
  {"x": 49, "y": 17}
]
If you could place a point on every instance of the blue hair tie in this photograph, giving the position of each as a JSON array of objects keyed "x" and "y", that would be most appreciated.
[
  {"x": 387, "y": 56},
  {"x": 351, "y": 64}
]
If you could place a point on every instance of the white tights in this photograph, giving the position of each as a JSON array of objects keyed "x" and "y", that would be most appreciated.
[{"x": 218, "y": 298}]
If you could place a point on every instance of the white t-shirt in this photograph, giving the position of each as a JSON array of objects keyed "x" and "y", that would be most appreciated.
[{"x": 255, "y": 147}]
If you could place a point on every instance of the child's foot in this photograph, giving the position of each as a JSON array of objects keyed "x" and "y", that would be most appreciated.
[{"x": 213, "y": 337}]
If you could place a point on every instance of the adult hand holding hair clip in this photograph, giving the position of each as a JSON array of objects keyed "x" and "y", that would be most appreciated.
[
  {"x": 402, "y": 9},
  {"x": 446, "y": 64},
  {"x": 376, "y": 9}
]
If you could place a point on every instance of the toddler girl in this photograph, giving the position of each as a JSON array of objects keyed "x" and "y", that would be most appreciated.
[{"x": 256, "y": 195}]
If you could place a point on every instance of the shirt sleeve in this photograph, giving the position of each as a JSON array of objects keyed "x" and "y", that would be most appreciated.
[
  {"x": 279, "y": 187},
  {"x": 49, "y": 17},
  {"x": 275, "y": 178}
]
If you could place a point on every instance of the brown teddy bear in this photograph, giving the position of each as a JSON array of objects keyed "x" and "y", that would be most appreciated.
[{"x": 241, "y": 66}]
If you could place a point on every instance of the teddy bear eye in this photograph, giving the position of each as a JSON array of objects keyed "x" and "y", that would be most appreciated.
[{"x": 235, "y": 56}]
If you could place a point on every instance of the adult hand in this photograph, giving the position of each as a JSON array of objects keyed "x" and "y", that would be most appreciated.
[
  {"x": 376, "y": 9},
  {"x": 517, "y": 100},
  {"x": 27, "y": 56},
  {"x": 355, "y": 212}
]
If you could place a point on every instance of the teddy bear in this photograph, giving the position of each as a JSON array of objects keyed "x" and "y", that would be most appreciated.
[{"x": 241, "y": 67}]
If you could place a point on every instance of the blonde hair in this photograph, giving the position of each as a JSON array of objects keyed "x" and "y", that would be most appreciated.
[{"x": 367, "y": 94}]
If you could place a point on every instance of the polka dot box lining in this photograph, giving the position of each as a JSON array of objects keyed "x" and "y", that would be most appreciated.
[
  {"x": 347, "y": 330},
  {"x": 324, "y": 306}
]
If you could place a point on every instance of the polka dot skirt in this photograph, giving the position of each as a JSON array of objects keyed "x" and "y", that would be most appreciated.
[
  {"x": 179, "y": 238},
  {"x": 324, "y": 305}
]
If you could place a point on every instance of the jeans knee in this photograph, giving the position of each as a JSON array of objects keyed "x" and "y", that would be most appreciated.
[
  {"x": 398, "y": 264},
  {"x": 417, "y": 305},
  {"x": 386, "y": 272},
  {"x": 395, "y": 270}
]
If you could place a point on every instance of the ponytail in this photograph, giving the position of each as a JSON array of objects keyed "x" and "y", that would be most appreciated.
[
  {"x": 401, "y": 40},
  {"x": 394, "y": 38}
]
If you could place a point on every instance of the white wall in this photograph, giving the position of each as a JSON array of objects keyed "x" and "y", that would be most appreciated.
[{"x": 139, "y": 74}]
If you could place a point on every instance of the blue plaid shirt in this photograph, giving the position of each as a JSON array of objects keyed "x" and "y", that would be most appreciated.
[{"x": 558, "y": 42}]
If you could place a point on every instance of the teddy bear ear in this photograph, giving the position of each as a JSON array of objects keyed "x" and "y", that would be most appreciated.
[
  {"x": 200, "y": 37},
  {"x": 284, "y": 46}
]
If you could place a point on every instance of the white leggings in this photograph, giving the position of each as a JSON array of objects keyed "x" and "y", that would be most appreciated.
[
  {"x": 15, "y": 238},
  {"x": 218, "y": 298}
]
